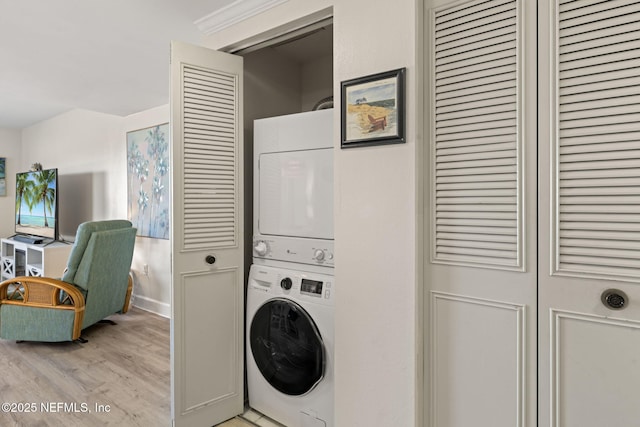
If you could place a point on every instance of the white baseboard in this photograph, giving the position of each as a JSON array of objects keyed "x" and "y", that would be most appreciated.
[{"x": 158, "y": 307}]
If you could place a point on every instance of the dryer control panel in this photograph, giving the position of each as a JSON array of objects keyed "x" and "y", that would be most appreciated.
[{"x": 304, "y": 251}]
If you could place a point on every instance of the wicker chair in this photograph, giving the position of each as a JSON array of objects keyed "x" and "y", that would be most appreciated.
[{"x": 95, "y": 284}]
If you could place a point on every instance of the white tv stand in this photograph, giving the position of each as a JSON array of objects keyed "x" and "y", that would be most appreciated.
[{"x": 25, "y": 259}]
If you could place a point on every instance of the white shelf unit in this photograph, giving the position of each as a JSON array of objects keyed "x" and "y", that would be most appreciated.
[{"x": 25, "y": 259}]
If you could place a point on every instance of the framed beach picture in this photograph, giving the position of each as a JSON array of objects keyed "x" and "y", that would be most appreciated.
[
  {"x": 373, "y": 110},
  {"x": 148, "y": 201}
]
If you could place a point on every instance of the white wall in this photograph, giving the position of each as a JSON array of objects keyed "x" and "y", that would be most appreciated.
[
  {"x": 377, "y": 352},
  {"x": 9, "y": 149},
  {"x": 90, "y": 151},
  {"x": 376, "y": 195},
  {"x": 152, "y": 291},
  {"x": 86, "y": 148}
]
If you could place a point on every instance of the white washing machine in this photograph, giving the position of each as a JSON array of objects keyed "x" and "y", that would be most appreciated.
[{"x": 290, "y": 339}]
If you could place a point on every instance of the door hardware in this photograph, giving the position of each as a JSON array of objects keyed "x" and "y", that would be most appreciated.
[{"x": 614, "y": 299}]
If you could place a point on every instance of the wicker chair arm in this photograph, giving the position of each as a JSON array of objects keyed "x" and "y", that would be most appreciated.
[
  {"x": 44, "y": 292},
  {"x": 127, "y": 298}
]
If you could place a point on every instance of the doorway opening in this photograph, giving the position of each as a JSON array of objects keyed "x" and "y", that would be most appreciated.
[{"x": 287, "y": 74}]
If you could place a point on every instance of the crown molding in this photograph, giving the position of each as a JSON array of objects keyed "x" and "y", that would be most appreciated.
[{"x": 237, "y": 11}]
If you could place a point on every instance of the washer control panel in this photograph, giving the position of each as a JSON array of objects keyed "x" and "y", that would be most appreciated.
[{"x": 276, "y": 281}]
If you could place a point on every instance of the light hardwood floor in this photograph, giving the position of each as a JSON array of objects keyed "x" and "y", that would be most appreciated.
[{"x": 124, "y": 368}]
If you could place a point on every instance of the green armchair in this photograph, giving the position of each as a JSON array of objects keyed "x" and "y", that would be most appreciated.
[{"x": 95, "y": 284}]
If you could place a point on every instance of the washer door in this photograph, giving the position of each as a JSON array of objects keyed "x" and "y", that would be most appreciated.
[{"x": 287, "y": 347}]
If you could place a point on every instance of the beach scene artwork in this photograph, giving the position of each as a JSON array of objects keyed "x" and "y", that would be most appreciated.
[
  {"x": 36, "y": 194},
  {"x": 372, "y": 110},
  {"x": 3, "y": 177},
  {"x": 148, "y": 200}
]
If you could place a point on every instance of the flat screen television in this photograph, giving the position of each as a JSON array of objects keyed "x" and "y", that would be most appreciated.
[{"x": 37, "y": 203}]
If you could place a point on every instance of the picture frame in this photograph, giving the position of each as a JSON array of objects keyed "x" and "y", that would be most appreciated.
[
  {"x": 372, "y": 110},
  {"x": 3, "y": 176},
  {"x": 148, "y": 181}
]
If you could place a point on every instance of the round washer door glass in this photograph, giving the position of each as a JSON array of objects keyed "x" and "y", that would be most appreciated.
[{"x": 287, "y": 347}]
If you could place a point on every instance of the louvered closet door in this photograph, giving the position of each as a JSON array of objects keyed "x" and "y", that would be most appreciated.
[
  {"x": 207, "y": 256},
  {"x": 481, "y": 264},
  {"x": 589, "y": 213}
]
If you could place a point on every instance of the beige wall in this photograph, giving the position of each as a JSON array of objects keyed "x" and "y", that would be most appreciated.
[{"x": 377, "y": 354}]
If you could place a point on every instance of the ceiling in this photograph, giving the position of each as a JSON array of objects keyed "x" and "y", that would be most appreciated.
[{"x": 110, "y": 56}]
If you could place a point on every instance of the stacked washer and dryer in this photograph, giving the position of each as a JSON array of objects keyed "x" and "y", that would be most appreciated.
[{"x": 291, "y": 291}]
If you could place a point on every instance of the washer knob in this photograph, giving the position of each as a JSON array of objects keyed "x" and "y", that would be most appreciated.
[
  {"x": 286, "y": 283},
  {"x": 318, "y": 255},
  {"x": 261, "y": 247}
]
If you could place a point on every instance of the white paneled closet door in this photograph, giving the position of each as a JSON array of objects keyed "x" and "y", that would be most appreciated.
[
  {"x": 481, "y": 272},
  {"x": 589, "y": 213},
  {"x": 207, "y": 303}
]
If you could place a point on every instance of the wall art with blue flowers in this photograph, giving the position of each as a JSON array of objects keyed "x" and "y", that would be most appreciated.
[{"x": 148, "y": 200}]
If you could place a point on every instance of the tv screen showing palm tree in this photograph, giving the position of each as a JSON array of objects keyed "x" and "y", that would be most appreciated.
[{"x": 37, "y": 203}]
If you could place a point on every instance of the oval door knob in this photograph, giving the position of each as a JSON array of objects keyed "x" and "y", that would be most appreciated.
[
  {"x": 614, "y": 299},
  {"x": 210, "y": 259}
]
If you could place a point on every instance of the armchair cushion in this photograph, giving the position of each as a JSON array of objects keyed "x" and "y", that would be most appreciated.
[
  {"x": 106, "y": 261},
  {"x": 25, "y": 323},
  {"x": 83, "y": 235}
]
